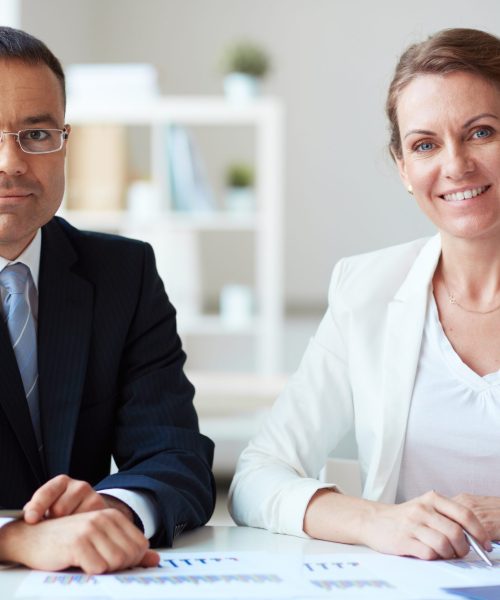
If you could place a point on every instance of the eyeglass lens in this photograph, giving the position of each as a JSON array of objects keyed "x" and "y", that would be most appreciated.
[{"x": 39, "y": 141}]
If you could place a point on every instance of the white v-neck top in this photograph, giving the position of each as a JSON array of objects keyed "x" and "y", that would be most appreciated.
[{"x": 453, "y": 435}]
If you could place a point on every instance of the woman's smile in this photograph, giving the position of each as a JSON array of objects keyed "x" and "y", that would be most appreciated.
[{"x": 465, "y": 194}]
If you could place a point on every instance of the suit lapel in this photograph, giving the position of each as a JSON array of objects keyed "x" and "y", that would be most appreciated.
[
  {"x": 405, "y": 325},
  {"x": 13, "y": 402},
  {"x": 64, "y": 326}
]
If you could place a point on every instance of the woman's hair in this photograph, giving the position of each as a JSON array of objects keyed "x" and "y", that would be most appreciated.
[{"x": 444, "y": 52}]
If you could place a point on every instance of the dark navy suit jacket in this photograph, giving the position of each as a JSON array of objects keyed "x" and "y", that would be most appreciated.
[{"x": 111, "y": 382}]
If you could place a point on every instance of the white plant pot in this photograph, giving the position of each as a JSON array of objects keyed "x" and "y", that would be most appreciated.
[
  {"x": 240, "y": 87},
  {"x": 240, "y": 200},
  {"x": 236, "y": 305}
]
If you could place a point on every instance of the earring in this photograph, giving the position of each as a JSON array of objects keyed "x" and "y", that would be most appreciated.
[{"x": 410, "y": 189}]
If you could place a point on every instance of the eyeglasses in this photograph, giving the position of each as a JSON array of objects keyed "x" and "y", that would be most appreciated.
[{"x": 38, "y": 141}]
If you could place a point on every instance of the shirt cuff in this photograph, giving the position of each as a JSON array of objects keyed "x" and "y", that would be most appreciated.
[{"x": 141, "y": 504}]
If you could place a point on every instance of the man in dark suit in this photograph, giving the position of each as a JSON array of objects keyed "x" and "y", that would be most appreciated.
[{"x": 90, "y": 362}]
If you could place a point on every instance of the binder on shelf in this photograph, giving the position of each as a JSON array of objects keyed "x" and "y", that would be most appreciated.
[
  {"x": 189, "y": 188},
  {"x": 97, "y": 168}
]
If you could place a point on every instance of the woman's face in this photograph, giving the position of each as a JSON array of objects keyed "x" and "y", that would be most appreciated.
[{"x": 450, "y": 136}]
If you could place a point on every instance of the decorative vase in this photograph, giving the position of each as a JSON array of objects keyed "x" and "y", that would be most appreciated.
[
  {"x": 240, "y": 200},
  {"x": 241, "y": 87}
]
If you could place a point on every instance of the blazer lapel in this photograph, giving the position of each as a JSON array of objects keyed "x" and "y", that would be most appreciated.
[
  {"x": 405, "y": 324},
  {"x": 64, "y": 318},
  {"x": 13, "y": 402}
]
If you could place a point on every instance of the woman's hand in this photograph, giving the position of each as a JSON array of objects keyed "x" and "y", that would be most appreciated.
[
  {"x": 486, "y": 509},
  {"x": 429, "y": 527}
]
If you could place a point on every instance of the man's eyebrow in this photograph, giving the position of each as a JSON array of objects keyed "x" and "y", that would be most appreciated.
[
  {"x": 467, "y": 123},
  {"x": 41, "y": 118}
]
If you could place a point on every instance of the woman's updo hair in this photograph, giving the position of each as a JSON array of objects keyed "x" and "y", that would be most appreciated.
[{"x": 444, "y": 52}]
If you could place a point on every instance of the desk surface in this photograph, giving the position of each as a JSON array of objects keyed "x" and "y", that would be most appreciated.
[{"x": 216, "y": 539}]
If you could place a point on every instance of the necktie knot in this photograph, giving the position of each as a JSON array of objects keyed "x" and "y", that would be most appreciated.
[{"x": 14, "y": 278}]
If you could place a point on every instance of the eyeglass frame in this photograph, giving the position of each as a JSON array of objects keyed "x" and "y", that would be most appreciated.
[{"x": 64, "y": 136}]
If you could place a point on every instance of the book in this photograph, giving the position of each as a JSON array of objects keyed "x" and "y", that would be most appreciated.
[{"x": 189, "y": 187}]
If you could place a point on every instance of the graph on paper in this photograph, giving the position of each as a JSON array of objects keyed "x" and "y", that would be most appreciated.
[
  {"x": 345, "y": 578},
  {"x": 207, "y": 575}
]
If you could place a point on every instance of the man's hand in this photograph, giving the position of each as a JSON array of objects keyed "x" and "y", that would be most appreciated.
[
  {"x": 486, "y": 509},
  {"x": 98, "y": 542},
  {"x": 63, "y": 496}
]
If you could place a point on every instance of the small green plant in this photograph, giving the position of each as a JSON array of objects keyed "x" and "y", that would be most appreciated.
[
  {"x": 246, "y": 57},
  {"x": 239, "y": 175}
]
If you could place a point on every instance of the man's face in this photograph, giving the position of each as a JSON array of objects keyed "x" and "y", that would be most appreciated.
[{"x": 31, "y": 185}]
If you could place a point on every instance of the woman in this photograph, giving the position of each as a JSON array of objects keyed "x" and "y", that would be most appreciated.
[{"x": 408, "y": 351}]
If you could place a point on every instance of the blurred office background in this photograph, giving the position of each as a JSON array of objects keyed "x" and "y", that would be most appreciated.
[{"x": 251, "y": 284}]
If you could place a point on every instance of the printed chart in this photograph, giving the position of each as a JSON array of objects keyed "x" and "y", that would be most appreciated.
[
  {"x": 187, "y": 575},
  {"x": 348, "y": 577},
  {"x": 218, "y": 575}
]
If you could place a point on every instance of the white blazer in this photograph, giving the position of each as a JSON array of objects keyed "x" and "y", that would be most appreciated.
[{"x": 359, "y": 369}]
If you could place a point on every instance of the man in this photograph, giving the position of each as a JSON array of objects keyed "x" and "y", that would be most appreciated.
[{"x": 107, "y": 378}]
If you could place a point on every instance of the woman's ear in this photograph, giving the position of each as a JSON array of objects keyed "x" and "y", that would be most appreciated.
[{"x": 400, "y": 162}]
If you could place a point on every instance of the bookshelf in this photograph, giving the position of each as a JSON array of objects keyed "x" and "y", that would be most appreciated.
[{"x": 263, "y": 331}]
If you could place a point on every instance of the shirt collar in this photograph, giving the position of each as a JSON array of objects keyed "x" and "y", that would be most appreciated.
[{"x": 30, "y": 257}]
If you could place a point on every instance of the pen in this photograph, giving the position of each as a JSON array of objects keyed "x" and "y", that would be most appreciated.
[{"x": 476, "y": 546}]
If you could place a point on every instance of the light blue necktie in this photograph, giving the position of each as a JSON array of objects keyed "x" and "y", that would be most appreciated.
[{"x": 22, "y": 331}]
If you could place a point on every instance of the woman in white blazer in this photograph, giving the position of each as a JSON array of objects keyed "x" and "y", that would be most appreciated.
[{"x": 408, "y": 352}]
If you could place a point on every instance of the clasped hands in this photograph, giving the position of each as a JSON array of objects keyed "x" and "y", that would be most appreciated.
[{"x": 68, "y": 524}]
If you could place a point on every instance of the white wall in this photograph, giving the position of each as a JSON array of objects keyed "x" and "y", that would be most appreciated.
[{"x": 333, "y": 60}]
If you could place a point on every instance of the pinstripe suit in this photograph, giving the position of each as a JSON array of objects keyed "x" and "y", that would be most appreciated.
[{"x": 111, "y": 382}]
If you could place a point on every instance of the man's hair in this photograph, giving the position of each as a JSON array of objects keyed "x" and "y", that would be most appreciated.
[
  {"x": 447, "y": 51},
  {"x": 19, "y": 45}
]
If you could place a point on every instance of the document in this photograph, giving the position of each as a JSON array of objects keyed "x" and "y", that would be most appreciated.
[
  {"x": 473, "y": 569},
  {"x": 219, "y": 575},
  {"x": 209, "y": 575},
  {"x": 61, "y": 585},
  {"x": 416, "y": 578},
  {"x": 349, "y": 576},
  {"x": 436, "y": 579},
  {"x": 180, "y": 575}
]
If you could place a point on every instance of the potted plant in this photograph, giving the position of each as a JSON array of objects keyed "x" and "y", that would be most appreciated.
[
  {"x": 245, "y": 64},
  {"x": 239, "y": 183}
]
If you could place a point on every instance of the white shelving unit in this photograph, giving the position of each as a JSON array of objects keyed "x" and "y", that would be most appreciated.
[{"x": 267, "y": 117}]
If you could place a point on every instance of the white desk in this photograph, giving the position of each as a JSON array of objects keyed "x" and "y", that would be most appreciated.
[{"x": 219, "y": 539}]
